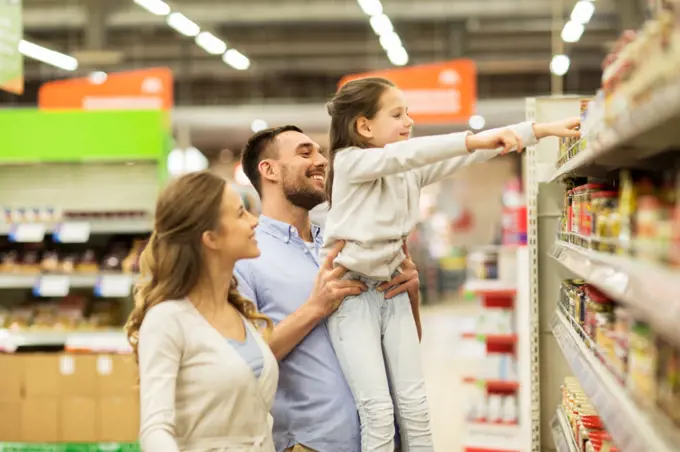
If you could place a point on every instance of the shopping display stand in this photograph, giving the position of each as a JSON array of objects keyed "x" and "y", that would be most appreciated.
[
  {"x": 497, "y": 378},
  {"x": 75, "y": 187},
  {"x": 628, "y": 275}
]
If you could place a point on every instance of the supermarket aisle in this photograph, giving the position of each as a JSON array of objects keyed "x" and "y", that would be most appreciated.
[{"x": 445, "y": 358}]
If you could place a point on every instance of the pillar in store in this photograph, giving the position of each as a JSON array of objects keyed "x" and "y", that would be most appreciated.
[
  {"x": 557, "y": 81},
  {"x": 457, "y": 40},
  {"x": 631, "y": 13},
  {"x": 95, "y": 31}
]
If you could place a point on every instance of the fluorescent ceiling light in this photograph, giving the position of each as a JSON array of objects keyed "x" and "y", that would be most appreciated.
[
  {"x": 560, "y": 64},
  {"x": 477, "y": 122},
  {"x": 47, "y": 56},
  {"x": 236, "y": 59},
  {"x": 258, "y": 124},
  {"x": 381, "y": 24},
  {"x": 157, "y": 7},
  {"x": 211, "y": 43},
  {"x": 194, "y": 160},
  {"x": 183, "y": 25},
  {"x": 583, "y": 11},
  {"x": 572, "y": 31},
  {"x": 398, "y": 56},
  {"x": 98, "y": 77},
  {"x": 390, "y": 41},
  {"x": 371, "y": 7}
]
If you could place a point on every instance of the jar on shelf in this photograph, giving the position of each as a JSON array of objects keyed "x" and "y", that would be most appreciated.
[
  {"x": 642, "y": 364},
  {"x": 605, "y": 206},
  {"x": 622, "y": 325},
  {"x": 570, "y": 212},
  {"x": 577, "y": 202},
  {"x": 627, "y": 206},
  {"x": 668, "y": 397},
  {"x": 586, "y": 209},
  {"x": 599, "y": 315},
  {"x": 647, "y": 219}
]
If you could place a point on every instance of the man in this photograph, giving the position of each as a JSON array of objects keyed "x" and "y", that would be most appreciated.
[{"x": 314, "y": 408}]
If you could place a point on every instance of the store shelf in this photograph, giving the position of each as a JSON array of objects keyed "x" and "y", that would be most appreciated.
[
  {"x": 562, "y": 434},
  {"x": 650, "y": 290},
  {"x": 488, "y": 285},
  {"x": 108, "y": 341},
  {"x": 493, "y": 385},
  {"x": 75, "y": 281},
  {"x": 112, "y": 226},
  {"x": 632, "y": 427},
  {"x": 492, "y": 438},
  {"x": 648, "y": 129},
  {"x": 70, "y": 447},
  {"x": 501, "y": 339}
]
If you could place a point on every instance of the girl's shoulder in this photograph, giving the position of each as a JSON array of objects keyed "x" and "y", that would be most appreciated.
[{"x": 342, "y": 154}]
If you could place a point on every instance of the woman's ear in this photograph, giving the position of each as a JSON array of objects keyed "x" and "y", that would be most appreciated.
[
  {"x": 210, "y": 240},
  {"x": 364, "y": 127}
]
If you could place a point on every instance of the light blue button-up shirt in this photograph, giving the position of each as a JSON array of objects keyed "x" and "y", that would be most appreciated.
[{"x": 314, "y": 405}]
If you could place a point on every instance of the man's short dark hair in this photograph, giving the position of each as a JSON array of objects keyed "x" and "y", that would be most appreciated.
[{"x": 257, "y": 149}]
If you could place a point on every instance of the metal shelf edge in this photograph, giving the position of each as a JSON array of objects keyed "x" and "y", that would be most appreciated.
[{"x": 651, "y": 291}]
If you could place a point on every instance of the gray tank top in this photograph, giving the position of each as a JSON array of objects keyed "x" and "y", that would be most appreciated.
[{"x": 249, "y": 351}]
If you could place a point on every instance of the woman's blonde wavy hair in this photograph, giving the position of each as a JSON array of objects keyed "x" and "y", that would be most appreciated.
[{"x": 172, "y": 261}]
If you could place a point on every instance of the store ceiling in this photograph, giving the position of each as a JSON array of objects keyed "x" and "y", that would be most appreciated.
[{"x": 300, "y": 48}]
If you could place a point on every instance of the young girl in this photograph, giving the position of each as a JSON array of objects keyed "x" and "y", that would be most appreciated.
[{"x": 373, "y": 186}]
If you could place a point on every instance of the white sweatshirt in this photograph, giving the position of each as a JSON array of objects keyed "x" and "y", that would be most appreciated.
[{"x": 376, "y": 195}]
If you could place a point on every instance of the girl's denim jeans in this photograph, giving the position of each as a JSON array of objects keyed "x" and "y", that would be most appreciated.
[{"x": 377, "y": 345}]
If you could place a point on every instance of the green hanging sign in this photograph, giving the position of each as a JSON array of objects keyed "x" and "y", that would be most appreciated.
[{"x": 11, "y": 34}]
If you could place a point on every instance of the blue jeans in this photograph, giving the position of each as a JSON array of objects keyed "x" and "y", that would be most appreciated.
[{"x": 376, "y": 342}]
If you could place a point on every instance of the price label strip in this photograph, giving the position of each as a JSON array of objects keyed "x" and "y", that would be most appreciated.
[
  {"x": 113, "y": 286},
  {"x": 52, "y": 286},
  {"x": 27, "y": 233},
  {"x": 74, "y": 232}
]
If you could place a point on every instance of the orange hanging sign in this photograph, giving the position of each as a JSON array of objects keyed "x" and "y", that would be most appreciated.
[
  {"x": 436, "y": 93},
  {"x": 144, "y": 89}
]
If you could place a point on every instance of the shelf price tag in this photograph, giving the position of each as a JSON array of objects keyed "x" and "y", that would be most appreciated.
[
  {"x": 113, "y": 286},
  {"x": 72, "y": 232},
  {"x": 27, "y": 233},
  {"x": 52, "y": 286}
]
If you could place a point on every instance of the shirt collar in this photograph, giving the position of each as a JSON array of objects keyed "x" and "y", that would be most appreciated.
[{"x": 283, "y": 230}]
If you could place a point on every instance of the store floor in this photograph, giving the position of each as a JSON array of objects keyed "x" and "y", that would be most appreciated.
[{"x": 445, "y": 359}]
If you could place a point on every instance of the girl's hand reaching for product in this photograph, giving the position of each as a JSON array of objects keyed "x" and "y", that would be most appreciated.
[
  {"x": 565, "y": 128},
  {"x": 504, "y": 138}
]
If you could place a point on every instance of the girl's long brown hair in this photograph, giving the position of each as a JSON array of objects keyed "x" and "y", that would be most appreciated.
[
  {"x": 172, "y": 261},
  {"x": 356, "y": 99}
]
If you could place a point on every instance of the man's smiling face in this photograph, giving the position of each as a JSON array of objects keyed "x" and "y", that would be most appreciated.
[{"x": 303, "y": 169}]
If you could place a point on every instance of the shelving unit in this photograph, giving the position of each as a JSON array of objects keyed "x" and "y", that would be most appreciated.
[
  {"x": 74, "y": 217},
  {"x": 632, "y": 426},
  {"x": 505, "y": 293},
  {"x": 649, "y": 290}
]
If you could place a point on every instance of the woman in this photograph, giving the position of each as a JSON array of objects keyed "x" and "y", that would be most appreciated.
[{"x": 207, "y": 377}]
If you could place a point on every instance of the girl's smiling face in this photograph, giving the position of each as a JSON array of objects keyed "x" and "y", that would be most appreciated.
[{"x": 392, "y": 122}]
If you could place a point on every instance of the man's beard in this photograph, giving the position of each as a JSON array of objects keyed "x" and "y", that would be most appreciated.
[{"x": 301, "y": 194}]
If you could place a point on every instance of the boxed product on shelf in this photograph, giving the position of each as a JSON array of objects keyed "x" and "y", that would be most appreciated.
[
  {"x": 52, "y": 398},
  {"x": 492, "y": 408},
  {"x": 587, "y": 429}
]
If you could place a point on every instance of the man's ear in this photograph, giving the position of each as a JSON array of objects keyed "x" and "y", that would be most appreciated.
[
  {"x": 364, "y": 127},
  {"x": 269, "y": 170}
]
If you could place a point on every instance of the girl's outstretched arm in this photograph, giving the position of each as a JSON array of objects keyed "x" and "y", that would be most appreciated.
[{"x": 488, "y": 141}]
